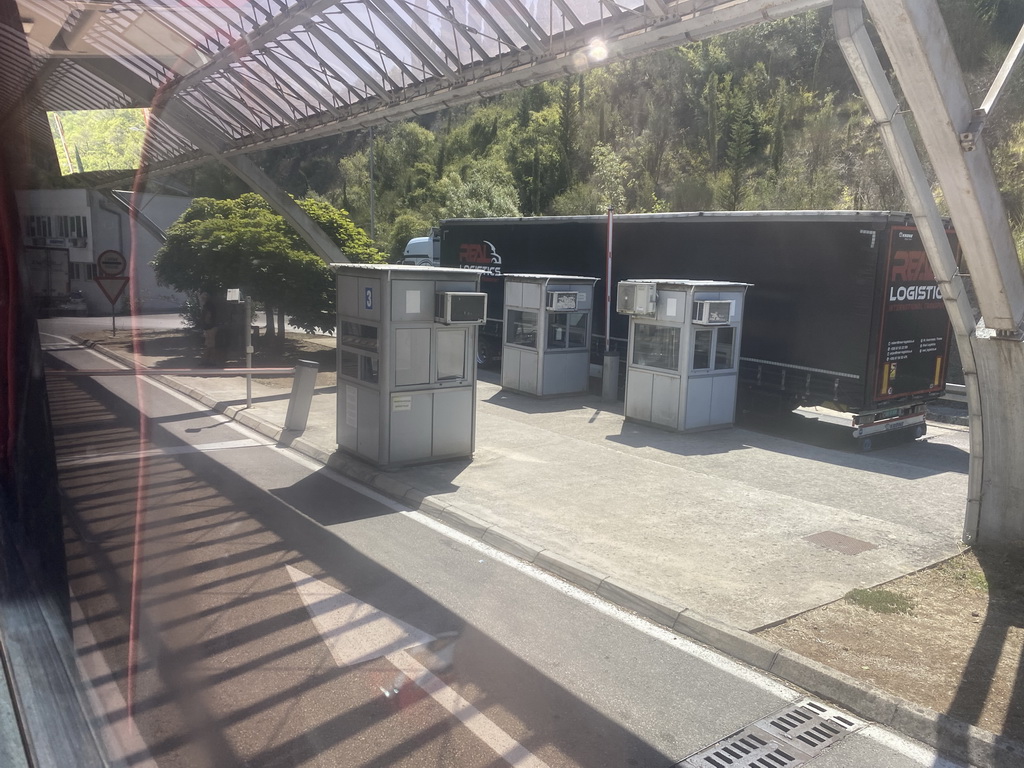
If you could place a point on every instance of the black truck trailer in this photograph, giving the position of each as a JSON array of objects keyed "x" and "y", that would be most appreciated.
[{"x": 844, "y": 311}]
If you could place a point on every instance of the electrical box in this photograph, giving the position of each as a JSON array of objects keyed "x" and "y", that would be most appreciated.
[
  {"x": 712, "y": 312},
  {"x": 636, "y": 298},
  {"x": 460, "y": 308}
]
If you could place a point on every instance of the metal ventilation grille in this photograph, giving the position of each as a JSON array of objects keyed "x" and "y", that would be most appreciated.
[{"x": 787, "y": 738}]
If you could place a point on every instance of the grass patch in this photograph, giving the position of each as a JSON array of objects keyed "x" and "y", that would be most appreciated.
[
  {"x": 965, "y": 571},
  {"x": 880, "y": 601}
]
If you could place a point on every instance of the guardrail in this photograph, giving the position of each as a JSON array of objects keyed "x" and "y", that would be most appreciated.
[{"x": 956, "y": 392}]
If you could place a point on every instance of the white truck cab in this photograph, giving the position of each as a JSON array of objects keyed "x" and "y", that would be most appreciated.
[{"x": 423, "y": 251}]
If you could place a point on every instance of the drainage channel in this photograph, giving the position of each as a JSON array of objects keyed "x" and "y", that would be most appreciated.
[{"x": 790, "y": 737}]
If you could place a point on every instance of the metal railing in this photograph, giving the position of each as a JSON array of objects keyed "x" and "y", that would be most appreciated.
[{"x": 956, "y": 392}]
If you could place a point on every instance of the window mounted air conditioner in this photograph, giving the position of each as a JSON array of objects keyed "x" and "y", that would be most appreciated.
[
  {"x": 562, "y": 301},
  {"x": 712, "y": 312},
  {"x": 460, "y": 308}
]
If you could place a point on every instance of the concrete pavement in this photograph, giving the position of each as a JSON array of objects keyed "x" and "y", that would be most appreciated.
[{"x": 712, "y": 534}]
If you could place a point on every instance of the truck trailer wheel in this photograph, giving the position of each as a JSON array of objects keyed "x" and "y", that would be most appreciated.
[{"x": 486, "y": 356}]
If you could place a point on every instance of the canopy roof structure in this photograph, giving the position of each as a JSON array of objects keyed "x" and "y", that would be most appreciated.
[
  {"x": 228, "y": 77},
  {"x": 225, "y": 78}
]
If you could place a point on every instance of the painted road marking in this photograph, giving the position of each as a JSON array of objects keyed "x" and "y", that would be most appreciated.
[{"x": 356, "y": 632}]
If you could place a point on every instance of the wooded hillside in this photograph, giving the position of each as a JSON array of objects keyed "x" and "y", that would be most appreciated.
[{"x": 765, "y": 118}]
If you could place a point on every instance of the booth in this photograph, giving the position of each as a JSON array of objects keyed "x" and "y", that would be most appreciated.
[
  {"x": 546, "y": 345},
  {"x": 682, "y": 370},
  {"x": 407, "y": 361}
]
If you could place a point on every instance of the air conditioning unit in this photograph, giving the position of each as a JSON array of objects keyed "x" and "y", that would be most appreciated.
[
  {"x": 78, "y": 242},
  {"x": 562, "y": 301},
  {"x": 712, "y": 312},
  {"x": 636, "y": 298},
  {"x": 460, "y": 308}
]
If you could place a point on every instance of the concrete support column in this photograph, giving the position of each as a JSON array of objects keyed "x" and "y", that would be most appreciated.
[{"x": 1001, "y": 369}]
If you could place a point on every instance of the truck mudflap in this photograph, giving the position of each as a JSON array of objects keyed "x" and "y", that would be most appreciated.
[{"x": 867, "y": 426}]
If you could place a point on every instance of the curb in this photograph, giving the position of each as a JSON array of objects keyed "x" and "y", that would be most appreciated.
[{"x": 952, "y": 737}]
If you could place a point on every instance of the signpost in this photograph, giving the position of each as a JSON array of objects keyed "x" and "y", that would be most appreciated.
[{"x": 111, "y": 266}]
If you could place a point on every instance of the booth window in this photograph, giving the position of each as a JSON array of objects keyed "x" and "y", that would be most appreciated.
[
  {"x": 724, "y": 345},
  {"x": 714, "y": 346},
  {"x": 521, "y": 328},
  {"x": 362, "y": 337},
  {"x": 355, "y": 340},
  {"x": 567, "y": 330},
  {"x": 451, "y": 354},
  {"x": 702, "y": 349},
  {"x": 656, "y": 346},
  {"x": 360, "y": 367}
]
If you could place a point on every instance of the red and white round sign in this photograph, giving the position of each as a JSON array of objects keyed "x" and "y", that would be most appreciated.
[{"x": 111, "y": 263}]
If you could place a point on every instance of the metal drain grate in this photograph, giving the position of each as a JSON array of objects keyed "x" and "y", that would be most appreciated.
[
  {"x": 810, "y": 726},
  {"x": 790, "y": 737},
  {"x": 745, "y": 749}
]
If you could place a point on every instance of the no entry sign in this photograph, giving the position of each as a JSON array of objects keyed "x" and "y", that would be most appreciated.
[{"x": 111, "y": 263}]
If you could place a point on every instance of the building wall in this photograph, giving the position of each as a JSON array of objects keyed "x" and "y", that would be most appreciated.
[{"x": 108, "y": 228}]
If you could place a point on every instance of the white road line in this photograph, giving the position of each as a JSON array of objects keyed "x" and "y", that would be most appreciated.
[
  {"x": 483, "y": 727},
  {"x": 104, "y": 458},
  {"x": 120, "y": 736},
  {"x": 356, "y": 632},
  {"x": 913, "y": 751}
]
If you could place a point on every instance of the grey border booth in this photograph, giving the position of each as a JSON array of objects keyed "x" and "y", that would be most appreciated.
[
  {"x": 546, "y": 334},
  {"x": 407, "y": 339},
  {"x": 682, "y": 369}
]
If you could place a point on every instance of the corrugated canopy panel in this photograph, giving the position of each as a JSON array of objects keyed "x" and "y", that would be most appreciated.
[{"x": 240, "y": 75}]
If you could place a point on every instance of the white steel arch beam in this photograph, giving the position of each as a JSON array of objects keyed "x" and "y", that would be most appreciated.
[
  {"x": 867, "y": 70},
  {"x": 918, "y": 46}
]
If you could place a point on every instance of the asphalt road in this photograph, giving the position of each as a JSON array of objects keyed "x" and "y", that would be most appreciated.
[{"x": 286, "y": 617}]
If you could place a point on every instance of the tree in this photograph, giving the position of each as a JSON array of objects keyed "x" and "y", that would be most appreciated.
[
  {"x": 486, "y": 191},
  {"x": 98, "y": 139},
  {"x": 241, "y": 243}
]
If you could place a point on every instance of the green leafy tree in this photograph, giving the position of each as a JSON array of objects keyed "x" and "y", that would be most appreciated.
[
  {"x": 487, "y": 190},
  {"x": 98, "y": 140},
  {"x": 405, "y": 227},
  {"x": 242, "y": 243}
]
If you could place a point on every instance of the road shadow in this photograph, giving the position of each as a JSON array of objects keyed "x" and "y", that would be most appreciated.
[
  {"x": 998, "y": 655},
  {"x": 231, "y": 669}
]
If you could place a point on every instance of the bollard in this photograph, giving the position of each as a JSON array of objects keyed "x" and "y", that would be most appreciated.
[
  {"x": 610, "y": 378},
  {"x": 302, "y": 395}
]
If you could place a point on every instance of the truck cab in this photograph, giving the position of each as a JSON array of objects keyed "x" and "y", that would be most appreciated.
[{"x": 423, "y": 251}]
